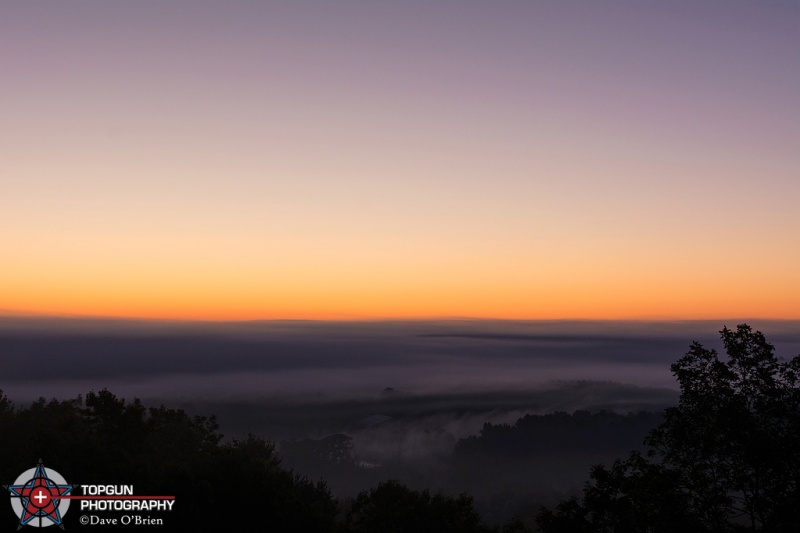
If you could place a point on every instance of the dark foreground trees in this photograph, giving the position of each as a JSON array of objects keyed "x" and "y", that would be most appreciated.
[
  {"x": 727, "y": 458},
  {"x": 222, "y": 486},
  {"x": 394, "y": 508}
]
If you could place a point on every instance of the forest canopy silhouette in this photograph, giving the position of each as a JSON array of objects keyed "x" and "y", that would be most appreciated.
[{"x": 727, "y": 458}]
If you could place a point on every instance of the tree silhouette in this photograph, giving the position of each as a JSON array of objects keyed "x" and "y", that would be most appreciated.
[
  {"x": 726, "y": 458},
  {"x": 393, "y": 507},
  {"x": 632, "y": 495},
  {"x": 101, "y": 439}
]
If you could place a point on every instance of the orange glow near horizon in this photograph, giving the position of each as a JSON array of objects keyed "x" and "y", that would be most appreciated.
[
  {"x": 420, "y": 274},
  {"x": 387, "y": 298},
  {"x": 423, "y": 275}
]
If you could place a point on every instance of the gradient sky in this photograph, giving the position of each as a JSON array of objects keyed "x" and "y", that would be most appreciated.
[{"x": 242, "y": 159}]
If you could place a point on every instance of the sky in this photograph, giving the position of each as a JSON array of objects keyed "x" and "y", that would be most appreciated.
[{"x": 347, "y": 160}]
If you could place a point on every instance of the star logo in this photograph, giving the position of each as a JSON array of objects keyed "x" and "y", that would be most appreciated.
[{"x": 36, "y": 497}]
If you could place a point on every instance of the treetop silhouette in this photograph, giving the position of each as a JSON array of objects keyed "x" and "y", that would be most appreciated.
[{"x": 726, "y": 458}]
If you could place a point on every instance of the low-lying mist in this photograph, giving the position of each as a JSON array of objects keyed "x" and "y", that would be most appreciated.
[
  {"x": 443, "y": 405},
  {"x": 65, "y": 357}
]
